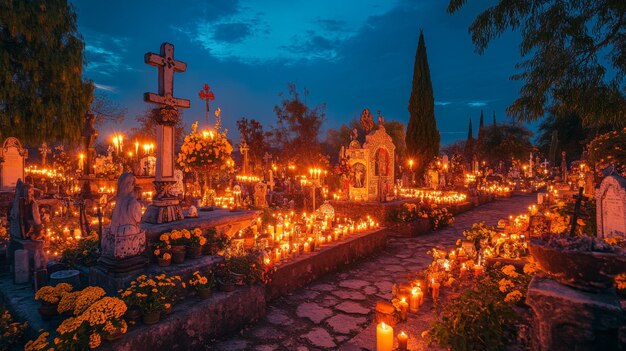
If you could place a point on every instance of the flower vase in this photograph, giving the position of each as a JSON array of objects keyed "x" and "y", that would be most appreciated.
[
  {"x": 238, "y": 278},
  {"x": 151, "y": 317},
  {"x": 194, "y": 251},
  {"x": 203, "y": 293},
  {"x": 178, "y": 254},
  {"x": 48, "y": 311},
  {"x": 163, "y": 262}
]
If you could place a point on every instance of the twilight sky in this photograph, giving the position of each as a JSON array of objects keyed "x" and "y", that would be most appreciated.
[{"x": 349, "y": 54}]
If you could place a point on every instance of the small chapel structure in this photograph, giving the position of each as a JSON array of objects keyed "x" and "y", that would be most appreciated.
[{"x": 372, "y": 166}]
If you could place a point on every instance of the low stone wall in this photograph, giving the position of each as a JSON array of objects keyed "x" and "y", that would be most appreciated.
[
  {"x": 193, "y": 324},
  {"x": 419, "y": 227},
  {"x": 309, "y": 267}
]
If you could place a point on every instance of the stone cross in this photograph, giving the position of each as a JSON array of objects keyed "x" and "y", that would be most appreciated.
[
  {"x": 165, "y": 207},
  {"x": 168, "y": 117},
  {"x": 244, "y": 148}
]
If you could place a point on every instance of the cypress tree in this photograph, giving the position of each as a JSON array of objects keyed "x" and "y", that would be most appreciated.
[
  {"x": 554, "y": 146},
  {"x": 494, "y": 119},
  {"x": 481, "y": 126},
  {"x": 469, "y": 144},
  {"x": 422, "y": 136},
  {"x": 43, "y": 96}
]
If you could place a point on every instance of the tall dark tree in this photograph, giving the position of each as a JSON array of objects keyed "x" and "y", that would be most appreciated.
[
  {"x": 298, "y": 127},
  {"x": 506, "y": 142},
  {"x": 575, "y": 55},
  {"x": 422, "y": 135},
  {"x": 481, "y": 125},
  {"x": 494, "y": 119},
  {"x": 252, "y": 132},
  {"x": 43, "y": 96},
  {"x": 469, "y": 143}
]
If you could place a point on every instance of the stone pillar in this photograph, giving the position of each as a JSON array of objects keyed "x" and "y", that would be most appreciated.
[{"x": 567, "y": 319}]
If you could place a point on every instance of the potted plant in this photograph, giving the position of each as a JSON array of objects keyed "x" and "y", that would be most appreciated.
[
  {"x": 479, "y": 233},
  {"x": 215, "y": 243},
  {"x": 162, "y": 252},
  {"x": 195, "y": 242},
  {"x": 176, "y": 239},
  {"x": 50, "y": 297},
  {"x": 153, "y": 295},
  {"x": 224, "y": 277},
  {"x": 202, "y": 285},
  {"x": 240, "y": 268}
]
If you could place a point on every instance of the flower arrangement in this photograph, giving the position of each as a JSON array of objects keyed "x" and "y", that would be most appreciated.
[
  {"x": 249, "y": 265},
  {"x": 439, "y": 217},
  {"x": 480, "y": 233},
  {"x": 153, "y": 294},
  {"x": 11, "y": 332},
  {"x": 196, "y": 239},
  {"x": 52, "y": 294},
  {"x": 4, "y": 235},
  {"x": 94, "y": 316},
  {"x": 343, "y": 167},
  {"x": 216, "y": 242},
  {"x": 86, "y": 251},
  {"x": 207, "y": 150},
  {"x": 408, "y": 212},
  {"x": 198, "y": 281}
]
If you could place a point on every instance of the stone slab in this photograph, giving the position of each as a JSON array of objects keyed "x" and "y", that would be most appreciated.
[
  {"x": 112, "y": 282},
  {"x": 328, "y": 258},
  {"x": 222, "y": 219},
  {"x": 568, "y": 319},
  {"x": 21, "y": 266}
]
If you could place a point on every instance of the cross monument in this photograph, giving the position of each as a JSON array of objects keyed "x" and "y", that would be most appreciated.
[{"x": 165, "y": 206}]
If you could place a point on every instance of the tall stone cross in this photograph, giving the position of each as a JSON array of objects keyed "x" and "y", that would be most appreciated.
[
  {"x": 165, "y": 206},
  {"x": 168, "y": 116}
]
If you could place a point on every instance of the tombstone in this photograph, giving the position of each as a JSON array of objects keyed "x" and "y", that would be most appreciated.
[
  {"x": 165, "y": 207},
  {"x": 260, "y": 193},
  {"x": 611, "y": 207},
  {"x": 12, "y": 157},
  {"x": 21, "y": 267}
]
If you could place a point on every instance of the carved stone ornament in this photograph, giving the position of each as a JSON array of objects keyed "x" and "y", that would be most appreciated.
[{"x": 168, "y": 114}]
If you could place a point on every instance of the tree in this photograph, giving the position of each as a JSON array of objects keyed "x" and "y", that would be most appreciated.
[
  {"x": 146, "y": 131},
  {"x": 576, "y": 55},
  {"x": 107, "y": 110},
  {"x": 252, "y": 132},
  {"x": 42, "y": 94},
  {"x": 469, "y": 144},
  {"x": 395, "y": 130},
  {"x": 298, "y": 127},
  {"x": 504, "y": 142},
  {"x": 422, "y": 136},
  {"x": 481, "y": 125},
  {"x": 367, "y": 123}
]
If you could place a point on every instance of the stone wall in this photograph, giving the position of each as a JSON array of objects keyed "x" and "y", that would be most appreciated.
[
  {"x": 194, "y": 323},
  {"x": 305, "y": 269}
]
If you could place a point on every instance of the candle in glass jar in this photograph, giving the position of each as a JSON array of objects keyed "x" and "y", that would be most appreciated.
[
  {"x": 478, "y": 270},
  {"x": 403, "y": 341},
  {"x": 414, "y": 300},
  {"x": 463, "y": 270},
  {"x": 77, "y": 233},
  {"x": 384, "y": 337},
  {"x": 278, "y": 254},
  {"x": 279, "y": 229},
  {"x": 306, "y": 247},
  {"x": 270, "y": 230}
]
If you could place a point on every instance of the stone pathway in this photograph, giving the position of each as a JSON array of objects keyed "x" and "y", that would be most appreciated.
[{"x": 337, "y": 311}]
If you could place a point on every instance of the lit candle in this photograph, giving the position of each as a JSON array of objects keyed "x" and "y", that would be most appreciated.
[
  {"x": 435, "y": 287},
  {"x": 66, "y": 232},
  {"x": 77, "y": 233},
  {"x": 279, "y": 229},
  {"x": 403, "y": 340},
  {"x": 404, "y": 308},
  {"x": 414, "y": 300},
  {"x": 270, "y": 230},
  {"x": 478, "y": 270},
  {"x": 463, "y": 270},
  {"x": 277, "y": 259},
  {"x": 384, "y": 337}
]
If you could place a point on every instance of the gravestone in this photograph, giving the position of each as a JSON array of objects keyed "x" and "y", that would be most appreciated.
[
  {"x": 12, "y": 157},
  {"x": 21, "y": 266},
  {"x": 611, "y": 207},
  {"x": 165, "y": 207}
]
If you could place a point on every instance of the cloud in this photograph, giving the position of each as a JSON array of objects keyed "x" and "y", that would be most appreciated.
[
  {"x": 105, "y": 87},
  {"x": 262, "y": 32},
  {"x": 231, "y": 32},
  {"x": 477, "y": 103},
  {"x": 442, "y": 103},
  {"x": 105, "y": 54}
]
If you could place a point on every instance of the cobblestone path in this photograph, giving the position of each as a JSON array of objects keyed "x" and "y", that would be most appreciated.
[{"x": 337, "y": 311}]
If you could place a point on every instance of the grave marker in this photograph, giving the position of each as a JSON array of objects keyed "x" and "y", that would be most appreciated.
[
  {"x": 611, "y": 207},
  {"x": 12, "y": 157}
]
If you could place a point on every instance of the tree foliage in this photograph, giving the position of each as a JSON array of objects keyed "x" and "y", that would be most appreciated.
[
  {"x": 575, "y": 55},
  {"x": 146, "y": 129},
  {"x": 422, "y": 136},
  {"x": 252, "y": 132},
  {"x": 570, "y": 135},
  {"x": 367, "y": 123},
  {"x": 107, "y": 110},
  {"x": 504, "y": 142},
  {"x": 298, "y": 127},
  {"x": 396, "y": 131},
  {"x": 42, "y": 94}
]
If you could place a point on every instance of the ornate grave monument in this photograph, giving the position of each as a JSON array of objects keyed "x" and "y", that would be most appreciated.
[
  {"x": 12, "y": 157},
  {"x": 165, "y": 207},
  {"x": 372, "y": 166}
]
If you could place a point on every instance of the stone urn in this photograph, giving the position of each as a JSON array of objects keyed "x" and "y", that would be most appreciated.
[{"x": 584, "y": 270}]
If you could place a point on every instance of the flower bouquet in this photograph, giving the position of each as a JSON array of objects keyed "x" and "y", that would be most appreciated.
[{"x": 202, "y": 285}]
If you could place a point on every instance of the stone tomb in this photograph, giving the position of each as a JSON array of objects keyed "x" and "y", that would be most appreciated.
[
  {"x": 611, "y": 207},
  {"x": 12, "y": 157},
  {"x": 372, "y": 167}
]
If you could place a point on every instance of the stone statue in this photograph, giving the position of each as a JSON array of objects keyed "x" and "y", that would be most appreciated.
[
  {"x": 260, "y": 192},
  {"x": 193, "y": 212},
  {"x": 89, "y": 136},
  {"x": 25, "y": 220},
  {"x": 124, "y": 237},
  {"x": 381, "y": 121},
  {"x": 354, "y": 143}
]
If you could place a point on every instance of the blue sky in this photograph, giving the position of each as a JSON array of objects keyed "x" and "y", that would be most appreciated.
[{"x": 349, "y": 54}]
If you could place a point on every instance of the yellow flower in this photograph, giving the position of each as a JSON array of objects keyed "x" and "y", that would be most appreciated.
[
  {"x": 94, "y": 340},
  {"x": 157, "y": 252},
  {"x": 530, "y": 268},
  {"x": 505, "y": 284},
  {"x": 167, "y": 256},
  {"x": 87, "y": 297},
  {"x": 514, "y": 296},
  {"x": 69, "y": 325},
  {"x": 68, "y": 302},
  {"x": 510, "y": 271},
  {"x": 41, "y": 343}
]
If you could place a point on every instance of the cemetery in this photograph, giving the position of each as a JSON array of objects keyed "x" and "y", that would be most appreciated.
[{"x": 178, "y": 231}]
